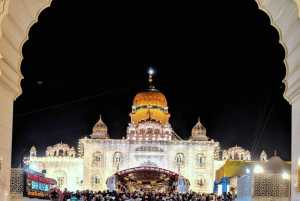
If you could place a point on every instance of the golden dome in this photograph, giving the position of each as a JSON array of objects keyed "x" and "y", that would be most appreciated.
[
  {"x": 150, "y": 103},
  {"x": 150, "y": 96},
  {"x": 100, "y": 127},
  {"x": 198, "y": 129}
]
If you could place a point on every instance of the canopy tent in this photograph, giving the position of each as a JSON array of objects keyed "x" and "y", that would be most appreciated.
[{"x": 145, "y": 177}]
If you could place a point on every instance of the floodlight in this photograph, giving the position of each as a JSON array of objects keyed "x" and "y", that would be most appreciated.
[
  {"x": 285, "y": 175},
  {"x": 258, "y": 169},
  {"x": 247, "y": 170}
]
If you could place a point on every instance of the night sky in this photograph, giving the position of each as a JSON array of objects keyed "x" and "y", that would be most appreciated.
[{"x": 220, "y": 62}]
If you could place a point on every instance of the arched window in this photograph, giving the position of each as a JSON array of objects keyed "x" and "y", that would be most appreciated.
[
  {"x": 200, "y": 181},
  {"x": 156, "y": 131},
  {"x": 149, "y": 130},
  {"x": 142, "y": 131},
  {"x": 54, "y": 154},
  {"x": 97, "y": 158},
  {"x": 117, "y": 158},
  {"x": 132, "y": 132},
  {"x": 179, "y": 158},
  {"x": 200, "y": 159},
  {"x": 96, "y": 179},
  {"x": 60, "y": 177},
  {"x": 61, "y": 152}
]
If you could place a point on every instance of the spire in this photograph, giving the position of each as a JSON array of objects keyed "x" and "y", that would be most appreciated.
[
  {"x": 150, "y": 75},
  {"x": 198, "y": 119},
  {"x": 100, "y": 116},
  {"x": 275, "y": 153}
]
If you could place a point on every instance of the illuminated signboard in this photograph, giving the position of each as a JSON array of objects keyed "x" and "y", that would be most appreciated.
[{"x": 36, "y": 185}]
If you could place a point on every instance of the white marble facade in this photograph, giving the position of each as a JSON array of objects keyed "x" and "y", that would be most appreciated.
[{"x": 96, "y": 161}]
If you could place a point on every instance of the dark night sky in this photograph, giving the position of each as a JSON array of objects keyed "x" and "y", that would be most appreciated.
[{"x": 222, "y": 62}]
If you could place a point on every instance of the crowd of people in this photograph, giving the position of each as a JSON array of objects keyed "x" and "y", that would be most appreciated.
[{"x": 89, "y": 195}]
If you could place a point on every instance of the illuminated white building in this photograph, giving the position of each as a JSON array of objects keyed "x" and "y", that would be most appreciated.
[
  {"x": 237, "y": 153},
  {"x": 150, "y": 142}
]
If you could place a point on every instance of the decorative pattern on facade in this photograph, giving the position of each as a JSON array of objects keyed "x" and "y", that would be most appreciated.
[
  {"x": 263, "y": 185},
  {"x": 271, "y": 185},
  {"x": 16, "y": 180},
  {"x": 245, "y": 186}
]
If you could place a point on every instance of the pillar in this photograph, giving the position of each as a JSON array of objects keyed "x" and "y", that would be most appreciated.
[
  {"x": 295, "y": 147},
  {"x": 224, "y": 184}
]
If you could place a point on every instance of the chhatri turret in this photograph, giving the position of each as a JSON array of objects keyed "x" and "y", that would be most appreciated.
[
  {"x": 199, "y": 132},
  {"x": 100, "y": 130},
  {"x": 263, "y": 156}
]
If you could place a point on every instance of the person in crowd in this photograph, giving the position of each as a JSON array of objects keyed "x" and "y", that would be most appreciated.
[
  {"x": 229, "y": 196},
  {"x": 54, "y": 194},
  {"x": 60, "y": 195},
  {"x": 225, "y": 198},
  {"x": 65, "y": 194}
]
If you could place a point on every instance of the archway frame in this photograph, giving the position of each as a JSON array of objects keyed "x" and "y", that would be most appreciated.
[{"x": 17, "y": 17}]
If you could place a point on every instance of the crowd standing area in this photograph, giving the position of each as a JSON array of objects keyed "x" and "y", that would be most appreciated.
[{"x": 89, "y": 195}]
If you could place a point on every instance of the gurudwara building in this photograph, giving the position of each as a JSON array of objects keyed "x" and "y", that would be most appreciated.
[{"x": 151, "y": 155}]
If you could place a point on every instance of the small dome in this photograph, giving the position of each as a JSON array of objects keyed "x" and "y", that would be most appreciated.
[
  {"x": 33, "y": 148},
  {"x": 62, "y": 145},
  {"x": 198, "y": 129},
  {"x": 100, "y": 127},
  {"x": 99, "y": 130},
  {"x": 199, "y": 132},
  {"x": 277, "y": 165},
  {"x": 237, "y": 153}
]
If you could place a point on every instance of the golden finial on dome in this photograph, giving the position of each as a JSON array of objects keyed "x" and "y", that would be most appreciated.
[{"x": 150, "y": 75}]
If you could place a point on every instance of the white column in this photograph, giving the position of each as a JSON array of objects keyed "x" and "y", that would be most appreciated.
[
  {"x": 6, "y": 115},
  {"x": 16, "y": 17},
  {"x": 295, "y": 146}
]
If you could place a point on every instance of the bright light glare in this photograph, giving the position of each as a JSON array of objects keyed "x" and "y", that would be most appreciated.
[
  {"x": 285, "y": 175},
  {"x": 258, "y": 169},
  {"x": 247, "y": 170},
  {"x": 33, "y": 166},
  {"x": 150, "y": 71}
]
